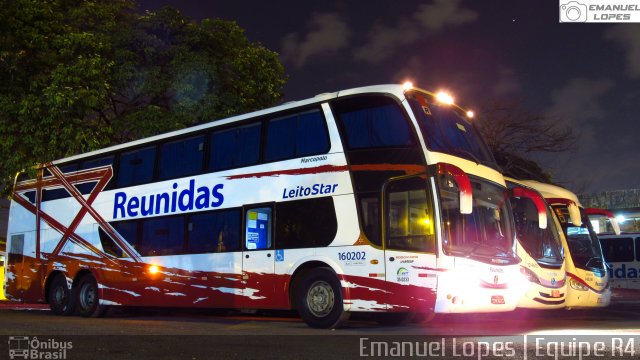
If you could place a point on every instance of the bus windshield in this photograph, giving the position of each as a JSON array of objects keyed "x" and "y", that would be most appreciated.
[
  {"x": 487, "y": 233},
  {"x": 584, "y": 246},
  {"x": 446, "y": 129},
  {"x": 543, "y": 245}
]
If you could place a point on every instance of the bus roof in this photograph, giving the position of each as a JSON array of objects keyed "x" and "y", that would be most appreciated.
[{"x": 394, "y": 89}]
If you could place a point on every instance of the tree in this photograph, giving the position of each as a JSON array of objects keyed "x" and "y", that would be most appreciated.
[
  {"x": 78, "y": 75},
  {"x": 514, "y": 134}
]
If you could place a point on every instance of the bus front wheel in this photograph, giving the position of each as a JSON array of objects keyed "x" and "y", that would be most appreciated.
[
  {"x": 320, "y": 299},
  {"x": 88, "y": 298},
  {"x": 59, "y": 296}
]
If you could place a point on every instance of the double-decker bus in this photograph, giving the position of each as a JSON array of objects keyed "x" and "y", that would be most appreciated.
[
  {"x": 378, "y": 199},
  {"x": 540, "y": 247},
  {"x": 587, "y": 272}
]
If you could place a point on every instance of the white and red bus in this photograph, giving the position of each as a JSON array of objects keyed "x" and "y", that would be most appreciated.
[
  {"x": 587, "y": 273},
  {"x": 377, "y": 199},
  {"x": 540, "y": 247}
]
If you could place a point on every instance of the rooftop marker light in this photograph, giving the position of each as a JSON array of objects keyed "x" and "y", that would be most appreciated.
[
  {"x": 407, "y": 85},
  {"x": 444, "y": 98}
]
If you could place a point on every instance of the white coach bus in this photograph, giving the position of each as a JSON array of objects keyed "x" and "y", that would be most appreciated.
[
  {"x": 587, "y": 273},
  {"x": 376, "y": 199},
  {"x": 540, "y": 247}
]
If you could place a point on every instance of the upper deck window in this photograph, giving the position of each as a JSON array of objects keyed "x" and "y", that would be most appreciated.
[
  {"x": 295, "y": 136},
  {"x": 136, "y": 167},
  {"x": 235, "y": 147},
  {"x": 373, "y": 122},
  {"x": 181, "y": 158}
]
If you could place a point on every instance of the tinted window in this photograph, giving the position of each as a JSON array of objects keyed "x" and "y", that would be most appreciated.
[
  {"x": 235, "y": 147},
  {"x": 305, "y": 223},
  {"x": 68, "y": 168},
  {"x": 136, "y": 167},
  {"x": 446, "y": 129},
  {"x": 86, "y": 188},
  {"x": 109, "y": 246},
  {"x": 162, "y": 236},
  {"x": 129, "y": 231},
  {"x": 61, "y": 192},
  {"x": 31, "y": 195},
  {"x": 296, "y": 136},
  {"x": 217, "y": 231},
  {"x": 181, "y": 158},
  {"x": 369, "y": 206},
  {"x": 410, "y": 220},
  {"x": 94, "y": 163},
  {"x": 54, "y": 194},
  {"x": 374, "y": 122},
  {"x": 617, "y": 249}
]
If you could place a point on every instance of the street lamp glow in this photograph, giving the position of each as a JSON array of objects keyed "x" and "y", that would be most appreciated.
[
  {"x": 407, "y": 85},
  {"x": 444, "y": 98},
  {"x": 470, "y": 114}
]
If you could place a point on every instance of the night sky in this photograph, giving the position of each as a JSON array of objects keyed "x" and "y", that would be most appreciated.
[{"x": 583, "y": 75}]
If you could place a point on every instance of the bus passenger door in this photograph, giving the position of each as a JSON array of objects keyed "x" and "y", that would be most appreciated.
[
  {"x": 258, "y": 259},
  {"x": 410, "y": 245}
]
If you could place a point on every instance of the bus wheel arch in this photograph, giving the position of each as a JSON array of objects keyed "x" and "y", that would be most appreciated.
[
  {"x": 59, "y": 295},
  {"x": 319, "y": 298},
  {"x": 302, "y": 270}
]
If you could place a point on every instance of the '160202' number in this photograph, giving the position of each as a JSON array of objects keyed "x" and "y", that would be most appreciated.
[{"x": 352, "y": 255}]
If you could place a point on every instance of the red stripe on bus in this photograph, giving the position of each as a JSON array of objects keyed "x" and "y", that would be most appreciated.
[{"x": 407, "y": 168}]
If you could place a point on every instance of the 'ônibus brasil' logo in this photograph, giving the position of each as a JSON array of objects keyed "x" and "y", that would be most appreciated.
[{"x": 203, "y": 197}]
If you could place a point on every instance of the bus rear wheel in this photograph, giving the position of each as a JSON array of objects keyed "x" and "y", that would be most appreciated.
[
  {"x": 59, "y": 297},
  {"x": 319, "y": 300},
  {"x": 88, "y": 298}
]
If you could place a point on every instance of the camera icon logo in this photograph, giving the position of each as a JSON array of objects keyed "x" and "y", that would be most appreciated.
[{"x": 573, "y": 11}]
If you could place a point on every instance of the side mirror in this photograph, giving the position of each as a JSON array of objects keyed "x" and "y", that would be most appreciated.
[
  {"x": 464, "y": 185},
  {"x": 541, "y": 206},
  {"x": 574, "y": 214}
]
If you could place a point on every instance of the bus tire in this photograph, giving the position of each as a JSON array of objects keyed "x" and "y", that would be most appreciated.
[
  {"x": 319, "y": 299},
  {"x": 59, "y": 296},
  {"x": 88, "y": 298}
]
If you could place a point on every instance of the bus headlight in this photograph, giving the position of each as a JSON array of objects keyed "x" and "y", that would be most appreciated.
[{"x": 576, "y": 285}]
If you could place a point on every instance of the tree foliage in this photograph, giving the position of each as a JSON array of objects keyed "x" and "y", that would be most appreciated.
[
  {"x": 78, "y": 75},
  {"x": 514, "y": 135}
]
